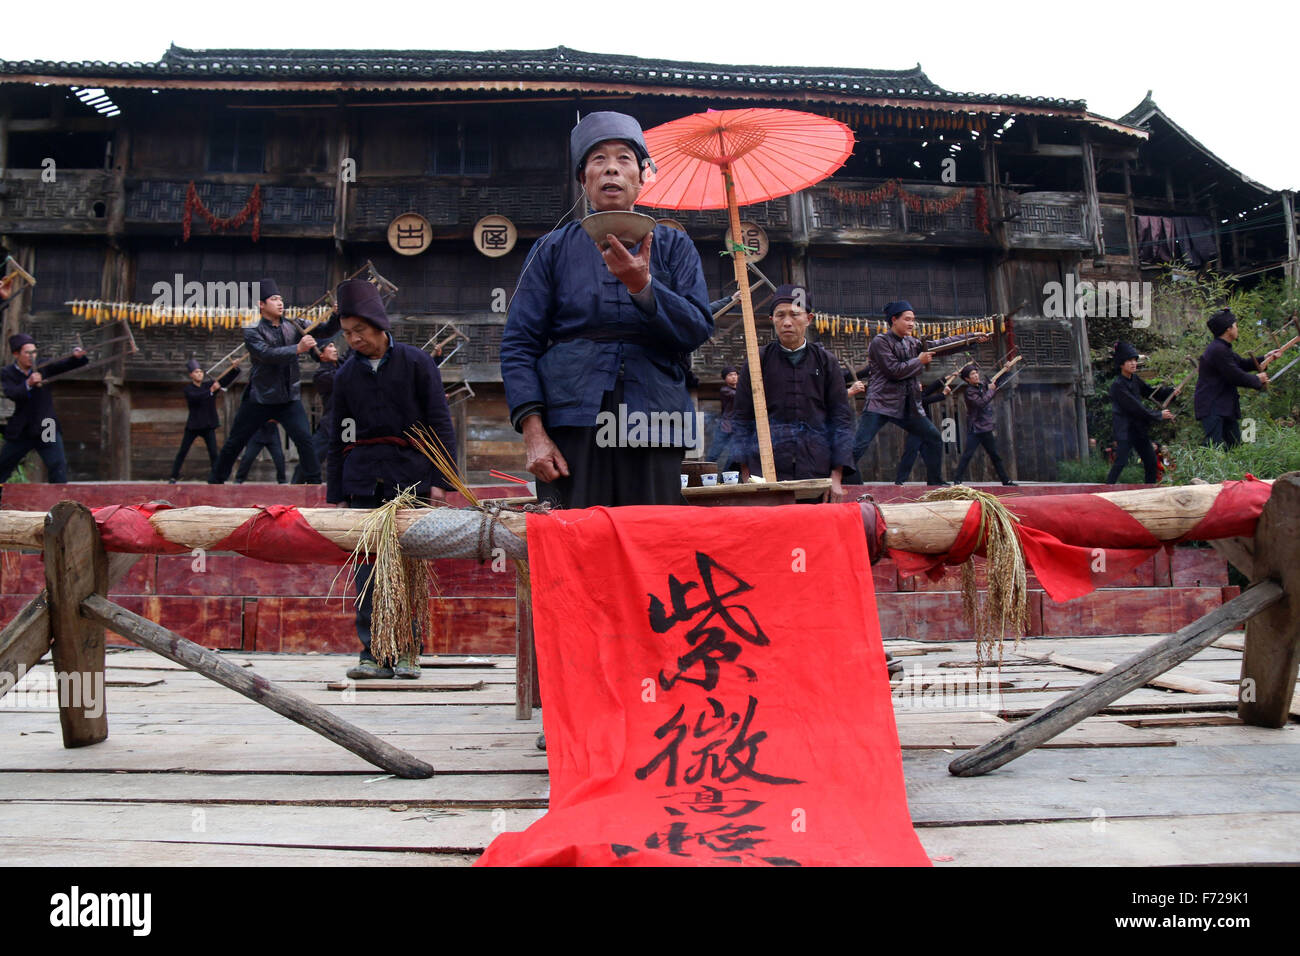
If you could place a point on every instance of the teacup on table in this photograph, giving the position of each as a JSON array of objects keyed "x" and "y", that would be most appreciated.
[
  {"x": 731, "y": 477},
  {"x": 709, "y": 480}
]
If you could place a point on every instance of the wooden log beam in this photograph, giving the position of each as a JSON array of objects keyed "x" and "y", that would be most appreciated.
[
  {"x": 923, "y": 527},
  {"x": 256, "y": 688},
  {"x": 26, "y": 638},
  {"x": 1131, "y": 674},
  {"x": 1272, "y": 656},
  {"x": 76, "y": 567}
]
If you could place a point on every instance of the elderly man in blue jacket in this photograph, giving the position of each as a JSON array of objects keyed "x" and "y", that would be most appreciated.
[
  {"x": 598, "y": 337},
  {"x": 274, "y": 389},
  {"x": 1220, "y": 373}
]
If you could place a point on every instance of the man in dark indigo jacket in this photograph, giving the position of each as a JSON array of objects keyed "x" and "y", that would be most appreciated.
[
  {"x": 202, "y": 421},
  {"x": 807, "y": 405},
  {"x": 383, "y": 390},
  {"x": 32, "y": 425},
  {"x": 597, "y": 341},
  {"x": 1132, "y": 418},
  {"x": 979, "y": 424},
  {"x": 274, "y": 389},
  {"x": 1220, "y": 373},
  {"x": 894, "y": 388}
]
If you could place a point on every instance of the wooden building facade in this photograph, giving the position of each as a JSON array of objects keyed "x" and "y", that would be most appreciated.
[{"x": 965, "y": 204}]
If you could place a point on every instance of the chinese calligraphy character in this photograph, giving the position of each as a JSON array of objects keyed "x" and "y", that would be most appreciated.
[
  {"x": 735, "y": 760},
  {"x": 410, "y": 236},
  {"x": 493, "y": 237},
  {"x": 709, "y": 643}
]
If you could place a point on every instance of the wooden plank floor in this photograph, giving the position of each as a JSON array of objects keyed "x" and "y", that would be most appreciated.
[{"x": 194, "y": 774}]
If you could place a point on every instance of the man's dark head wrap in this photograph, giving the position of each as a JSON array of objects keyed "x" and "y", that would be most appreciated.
[
  {"x": 596, "y": 128},
  {"x": 897, "y": 308},
  {"x": 967, "y": 369},
  {"x": 793, "y": 294},
  {"x": 266, "y": 288},
  {"x": 1123, "y": 352},
  {"x": 359, "y": 299},
  {"x": 16, "y": 342},
  {"x": 1220, "y": 322}
]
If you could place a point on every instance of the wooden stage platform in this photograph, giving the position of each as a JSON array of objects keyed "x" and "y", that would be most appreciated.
[{"x": 194, "y": 774}]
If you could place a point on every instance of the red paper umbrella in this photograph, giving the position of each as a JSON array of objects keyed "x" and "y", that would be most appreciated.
[
  {"x": 771, "y": 153},
  {"x": 723, "y": 159}
]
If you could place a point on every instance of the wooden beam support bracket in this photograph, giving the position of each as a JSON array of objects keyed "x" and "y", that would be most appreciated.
[
  {"x": 1272, "y": 656},
  {"x": 256, "y": 688},
  {"x": 76, "y": 567},
  {"x": 1127, "y": 676}
]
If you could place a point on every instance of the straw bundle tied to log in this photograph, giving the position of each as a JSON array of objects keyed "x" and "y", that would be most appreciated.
[
  {"x": 1006, "y": 597},
  {"x": 399, "y": 584},
  {"x": 430, "y": 445}
]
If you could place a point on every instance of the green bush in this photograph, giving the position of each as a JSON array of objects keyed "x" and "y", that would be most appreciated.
[
  {"x": 1183, "y": 301},
  {"x": 1274, "y": 452},
  {"x": 1093, "y": 471}
]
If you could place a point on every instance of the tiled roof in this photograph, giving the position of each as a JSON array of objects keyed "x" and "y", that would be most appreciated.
[
  {"x": 559, "y": 63},
  {"x": 1141, "y": 116}
]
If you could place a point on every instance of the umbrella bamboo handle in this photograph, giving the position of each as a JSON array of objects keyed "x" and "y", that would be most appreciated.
[{"x": 765, "y": 457}]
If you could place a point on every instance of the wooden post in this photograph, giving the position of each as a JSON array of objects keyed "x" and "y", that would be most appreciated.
[
  {"x": 172, "y": 646},
  {"x": 1131, "y": 674},
  {"x": 1269, "y": 663},
  {"x": 76, "y": 568},
  {"x": 525, "y": 656}
]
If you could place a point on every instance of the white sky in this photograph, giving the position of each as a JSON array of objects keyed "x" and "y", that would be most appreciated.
[{"x": 1224, "y": 72}]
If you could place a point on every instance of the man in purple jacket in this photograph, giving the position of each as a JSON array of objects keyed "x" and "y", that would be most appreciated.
[
  {"x": 1221, "y": 373},
  {"x": 894, "y": 388}
]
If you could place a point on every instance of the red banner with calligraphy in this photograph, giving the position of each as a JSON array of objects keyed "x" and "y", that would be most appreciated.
[{"x": 714, "y": 692}]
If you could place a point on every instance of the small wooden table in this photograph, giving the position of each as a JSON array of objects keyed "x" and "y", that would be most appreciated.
[{"x": 765, "y": 494}]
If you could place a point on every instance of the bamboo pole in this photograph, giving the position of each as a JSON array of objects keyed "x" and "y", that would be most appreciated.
[
  {"x": 925, "y": 527},
  {"x": 739, "y": 260}
]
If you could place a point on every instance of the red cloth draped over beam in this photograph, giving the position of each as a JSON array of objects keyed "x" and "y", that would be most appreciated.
[
  {"x": 715, "y": 692},
  {"x": 1064, "y": 536},
  {"x": 277, "y": 533}
]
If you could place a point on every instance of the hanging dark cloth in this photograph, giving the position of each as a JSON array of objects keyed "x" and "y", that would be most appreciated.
[{"x": 1195, "y": 237}]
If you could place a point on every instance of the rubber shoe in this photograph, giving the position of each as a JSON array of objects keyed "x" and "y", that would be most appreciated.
[
  {"x": 541, "y": 741},
  {"x": 370, "y": 670},
  {"x": 893, "y": 665},
  {"x": 407, "y": 668}
]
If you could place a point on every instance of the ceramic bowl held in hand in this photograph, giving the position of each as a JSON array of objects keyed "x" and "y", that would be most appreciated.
[{"x": 629, "y": 227}]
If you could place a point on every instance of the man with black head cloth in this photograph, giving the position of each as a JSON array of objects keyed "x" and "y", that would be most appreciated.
[
  {"x": 274, "y": 390},
  {"x": 1219, "y": 374},
  {"x": 32, "y": 425},
  {"x": 1132, "y": 419},
  {"x": 382, "y": 391}
]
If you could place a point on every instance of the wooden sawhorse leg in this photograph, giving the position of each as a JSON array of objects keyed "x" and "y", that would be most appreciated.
[{"x": 1271, "y": 609}]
